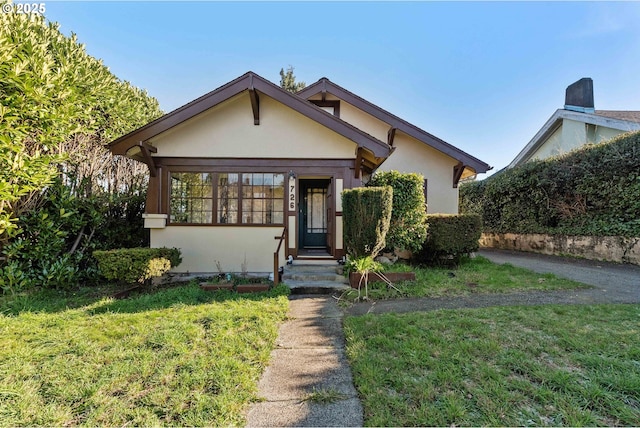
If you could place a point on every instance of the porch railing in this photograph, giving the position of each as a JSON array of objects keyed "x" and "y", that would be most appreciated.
[{"x": 276, "y": 257}]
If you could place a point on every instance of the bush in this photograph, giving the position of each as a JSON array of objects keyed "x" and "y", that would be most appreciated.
[
  {"x": 450, "y": 237},
  {"x": 366, "y": 216},
  {"x": 136, "y": 264},
  {"x": 408, "y": 228},
  {"x": 594, "y": 190}
]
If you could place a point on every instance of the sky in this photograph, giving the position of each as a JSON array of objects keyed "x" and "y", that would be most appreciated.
[{"x": 483, "y": 76}]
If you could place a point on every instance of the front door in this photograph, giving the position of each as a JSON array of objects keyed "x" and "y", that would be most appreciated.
[{"x": 314, "y": 210}]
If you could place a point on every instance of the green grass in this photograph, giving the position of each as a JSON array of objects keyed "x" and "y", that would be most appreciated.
[
  {"x": 478, "y": 275},
  {"x": 179, "y": 356},
  {"x": 514, "y": 366}
]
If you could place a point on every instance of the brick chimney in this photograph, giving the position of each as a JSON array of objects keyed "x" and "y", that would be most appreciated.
[{"x": 579, "y": 96}]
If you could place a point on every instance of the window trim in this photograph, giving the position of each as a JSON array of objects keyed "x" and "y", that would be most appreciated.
[{"x": 215, "y": 175}]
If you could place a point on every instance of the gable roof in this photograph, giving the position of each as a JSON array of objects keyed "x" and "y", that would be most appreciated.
[
  {"x": 624, "y": 121},
  {"x": 324, "y": 86},
  {"x": 247, "y": 82}
]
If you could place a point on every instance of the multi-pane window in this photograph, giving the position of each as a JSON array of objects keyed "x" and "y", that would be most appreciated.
[
  {"x": 262, "y": 198},
  {"x": 191, "y": 197},
  {"x": 227, "y": 198}
]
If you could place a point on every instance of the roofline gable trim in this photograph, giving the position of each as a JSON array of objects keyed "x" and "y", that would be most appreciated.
[
  {"x": 325, "y": 85},
  {"x": 556, "y": 120},
  {"x": 249, "y": 81}
]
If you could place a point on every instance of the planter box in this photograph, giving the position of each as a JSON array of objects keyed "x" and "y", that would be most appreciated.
[
  {"x": 213, "y": 287},
  {"x": 251, "y": 288},
  {"x": 354, "y": 277}
]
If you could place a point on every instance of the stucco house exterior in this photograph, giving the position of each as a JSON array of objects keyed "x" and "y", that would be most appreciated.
[
  {"x": 249, "y": 165},
  {"x": 577, "y": 124}
]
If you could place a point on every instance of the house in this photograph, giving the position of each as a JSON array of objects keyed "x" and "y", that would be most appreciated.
[
  {"x": 250, "y": 162},
  {"x": 577, "y": 124}
]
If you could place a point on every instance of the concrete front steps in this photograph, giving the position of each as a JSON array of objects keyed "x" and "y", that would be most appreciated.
[{"x": 315, "y": 277}]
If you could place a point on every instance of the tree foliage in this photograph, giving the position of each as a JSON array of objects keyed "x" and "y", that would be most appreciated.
[
  {"x": 59, "y": 185},
  {"x": 408, "y": 228},
  {"x": 288, "y": 81},
  {"x": 594, "y": 190}
]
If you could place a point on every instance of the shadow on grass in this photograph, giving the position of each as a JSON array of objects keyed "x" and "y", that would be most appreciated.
[{"x": 98, "y": 301}]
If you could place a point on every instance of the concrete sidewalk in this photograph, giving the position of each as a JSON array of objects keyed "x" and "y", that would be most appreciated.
[{"x": 309, "y": 357}]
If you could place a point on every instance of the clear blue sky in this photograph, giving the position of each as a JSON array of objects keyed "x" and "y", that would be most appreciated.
[{"x": 483, "y": 76}]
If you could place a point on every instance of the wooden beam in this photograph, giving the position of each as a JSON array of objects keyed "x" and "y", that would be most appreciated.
[
  {"x": 391, "y": 135},
  {"x": 255, "y": 105},
  {"x": 146, "y": 150},
  {"x": 358, "y": 162},
  {"x": 457, "y": 173}
]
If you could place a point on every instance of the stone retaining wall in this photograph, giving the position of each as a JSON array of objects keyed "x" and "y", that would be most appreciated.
[{"x": 609, "y": 248}]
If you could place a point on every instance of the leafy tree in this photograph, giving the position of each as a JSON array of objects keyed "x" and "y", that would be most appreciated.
[
  {"x": 288, "y": 81},
  {"x": 59, "y": 186}
]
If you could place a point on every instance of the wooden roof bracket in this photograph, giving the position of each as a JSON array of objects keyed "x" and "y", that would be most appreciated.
[
  {"x": 146, "y": 150},
  {"x": 457, "y": 173},
  {"x": 255, "y": 102},
  {"x": 358, "y": 162},
  {"x": 391, "y": 135}
]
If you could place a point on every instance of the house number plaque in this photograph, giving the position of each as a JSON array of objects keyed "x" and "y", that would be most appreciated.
[{"x": 292, "y": 194}]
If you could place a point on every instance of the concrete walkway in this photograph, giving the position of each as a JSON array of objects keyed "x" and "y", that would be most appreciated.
[{"x": 309, "y": 358}]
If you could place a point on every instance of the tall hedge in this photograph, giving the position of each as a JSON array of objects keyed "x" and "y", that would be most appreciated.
[
  {"x": 62, "y": 194},
  {"x": 366, "y": 216},
  {"x": 594, "y": 190},
  {"x": 408, "y": 228}
]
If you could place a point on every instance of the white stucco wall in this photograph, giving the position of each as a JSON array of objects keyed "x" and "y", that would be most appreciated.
[
  {"x": 201, "y": 246},
  {"x": 597, "y": 134},
  {"x": 572, "y": 134},
  {"x": 227, "y": 130},
  {"x": 412, "y": 155}
]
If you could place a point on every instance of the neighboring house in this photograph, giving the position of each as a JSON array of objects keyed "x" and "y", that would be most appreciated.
[
  {"x": 250, "y": 162},
  {"x": 576, "y": 125}
]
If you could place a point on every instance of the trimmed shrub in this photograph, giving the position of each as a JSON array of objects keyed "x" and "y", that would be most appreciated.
[
  {"x": 136, "y": 264},
  {"x": 450, "y": 237},
  {"x": 594, "y": 190},
  {"x": 408, "y": 228},
  {"x": 366, "y": 216}
]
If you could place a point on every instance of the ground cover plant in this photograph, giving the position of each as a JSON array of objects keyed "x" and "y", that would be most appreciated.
[
  {"x": 179, "y": 356},
  {"x": 507, "y": 366},
  {"x": 477, "y": 275}
]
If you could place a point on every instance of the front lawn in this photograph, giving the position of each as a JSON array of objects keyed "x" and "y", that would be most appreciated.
[
  {"x": 477, "y": 275},
  {"x": 507, "y": 366},
  {"x": 177, "y": 357}
]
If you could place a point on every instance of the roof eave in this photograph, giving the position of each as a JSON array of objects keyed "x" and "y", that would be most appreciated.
[{"x": 248, "y": 81}]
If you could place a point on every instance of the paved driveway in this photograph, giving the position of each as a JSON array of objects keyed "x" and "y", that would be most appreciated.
[{"x": 616, "y": 283}]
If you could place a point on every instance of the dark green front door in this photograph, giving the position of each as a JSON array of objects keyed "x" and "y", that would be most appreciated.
[{"x": 313, "y": 213}]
